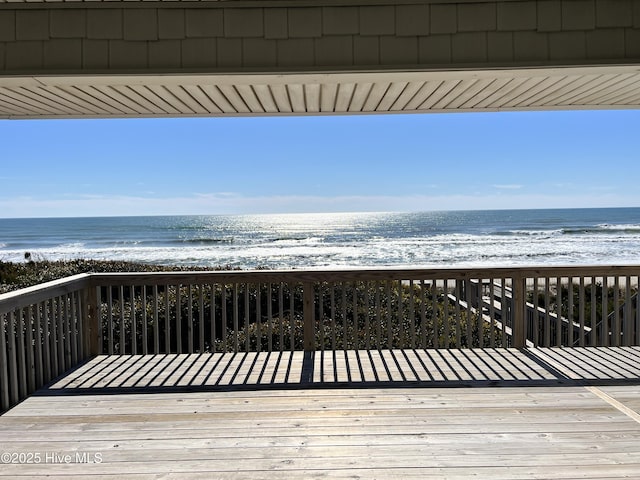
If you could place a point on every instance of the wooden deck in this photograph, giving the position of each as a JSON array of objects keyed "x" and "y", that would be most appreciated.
[{"x": 539, "y": 413}]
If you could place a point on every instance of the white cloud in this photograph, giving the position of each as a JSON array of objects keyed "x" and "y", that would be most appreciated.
[
  {"x": 226, "y": 203},
  {"x": 513, "y": 186},
  {"x": 217, "y": 195}
]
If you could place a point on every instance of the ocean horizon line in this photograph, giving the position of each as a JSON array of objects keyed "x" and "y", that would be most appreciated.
[{"x": 345, "y": 212}]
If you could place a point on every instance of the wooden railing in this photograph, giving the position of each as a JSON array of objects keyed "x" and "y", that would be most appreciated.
[
  {"x": 367, "y": 309},
  {"x": 49, "y": 329},
  {"x": 306, "y": 310},
  {"x": 43, "y": 333}
]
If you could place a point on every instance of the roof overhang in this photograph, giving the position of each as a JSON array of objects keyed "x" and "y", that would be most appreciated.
[{"x": 570, "y": 88}]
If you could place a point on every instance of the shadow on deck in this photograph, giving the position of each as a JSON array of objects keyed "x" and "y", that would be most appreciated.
[{"x": 352, "y": 368}]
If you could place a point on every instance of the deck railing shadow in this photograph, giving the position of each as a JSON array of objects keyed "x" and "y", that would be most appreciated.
[
  {"x": 172, "y": 373},
  {"x": 591, "y": 365}
]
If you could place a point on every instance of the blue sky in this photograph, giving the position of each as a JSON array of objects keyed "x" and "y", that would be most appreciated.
[{"x": 412, "y": 162}]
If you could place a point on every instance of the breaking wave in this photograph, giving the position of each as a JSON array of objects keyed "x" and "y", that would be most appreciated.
[{"x": 439, "y": 239}]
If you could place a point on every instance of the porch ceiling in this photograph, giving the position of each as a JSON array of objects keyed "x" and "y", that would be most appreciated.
[{"x": 609, "y": 87}]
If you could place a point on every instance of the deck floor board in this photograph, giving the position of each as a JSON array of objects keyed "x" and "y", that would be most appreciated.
[{"x": 393, "y": 414}]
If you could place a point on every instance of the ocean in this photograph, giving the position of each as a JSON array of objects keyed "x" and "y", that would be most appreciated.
[{"x": 337, "y": 240}]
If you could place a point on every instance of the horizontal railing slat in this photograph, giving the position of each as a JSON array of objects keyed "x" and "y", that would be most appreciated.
[
  {"x": 45, "y": 291},
  {"x": 314, "y": 276}
]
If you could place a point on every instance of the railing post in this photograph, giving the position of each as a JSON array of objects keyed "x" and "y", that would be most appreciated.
[
  {"x": 4, "y": 368},
  {"x": 519, "y": 327},
  {"x": 308, "y": 311},
  {"x": 92, "y": 321}
]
